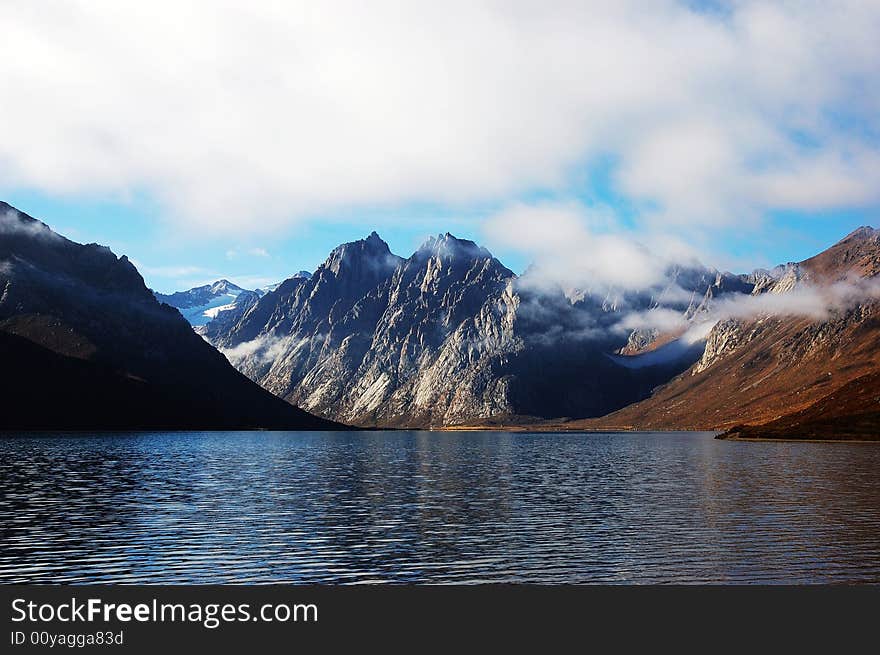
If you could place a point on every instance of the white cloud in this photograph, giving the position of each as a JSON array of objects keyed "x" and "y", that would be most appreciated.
[
  {"x": 246, "y": 116},
  {"x": 817, "y": 303},
  {"x": 12, "y": 223},
  {"x": 571, "y": 247},
  {"x": 265, "y": 349},
  {"x": 662, "y": 319}
]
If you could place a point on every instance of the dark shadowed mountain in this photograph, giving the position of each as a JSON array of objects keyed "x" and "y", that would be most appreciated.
[
  {"x": 85, "y": 345},
  {"x": 450, "y": 335}
]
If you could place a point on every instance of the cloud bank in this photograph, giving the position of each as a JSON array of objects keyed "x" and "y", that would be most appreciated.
[
  {"x": 241, "y": 117},
  {"x": 817, "y": 303},
  {"x": 574, "y": 248}
]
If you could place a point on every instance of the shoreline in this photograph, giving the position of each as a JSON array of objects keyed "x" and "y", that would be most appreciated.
[
  {"x": 796, "y": 440},
  {"x": 718, "y": 434}
]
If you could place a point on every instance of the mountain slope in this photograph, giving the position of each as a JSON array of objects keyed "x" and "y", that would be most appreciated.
[
  {"x": 850, "y": 412},
  {"x": 781, "y": 371},
  {"x": 86, "y": 345}
]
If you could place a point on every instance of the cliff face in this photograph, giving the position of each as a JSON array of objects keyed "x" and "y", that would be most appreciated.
[
  {"x": 769, "y": 369},
  {"x": 445, "y": 337},
  {"x": 86, "y": 345}
]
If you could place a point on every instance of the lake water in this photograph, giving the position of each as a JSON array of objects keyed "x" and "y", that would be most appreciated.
[{"x": 254, "y": 507}]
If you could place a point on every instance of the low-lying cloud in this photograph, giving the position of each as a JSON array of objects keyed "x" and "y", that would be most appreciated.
[
  {"x": 806, "y": 300},
  {"x": 814, "y": 302},
  {"x": 571, "y": 247},
  {"x": 263, "y": 350}
]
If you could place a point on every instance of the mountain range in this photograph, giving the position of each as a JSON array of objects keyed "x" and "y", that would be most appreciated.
[
  {"x": 440, "y": 338},
  {"x": 447, "y": 337},
  {"x": 85, "y": 345},
  {"x": 450, "y": 337}
]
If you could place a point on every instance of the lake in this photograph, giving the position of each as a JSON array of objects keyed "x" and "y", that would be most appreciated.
[{"x": 435, "y": 507}]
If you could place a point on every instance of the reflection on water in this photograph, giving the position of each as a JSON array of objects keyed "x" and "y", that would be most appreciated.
[{"x": 435, "y": 507}]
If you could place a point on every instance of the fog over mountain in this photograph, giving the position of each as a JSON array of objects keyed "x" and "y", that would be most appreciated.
[{"x": 797, "y": 358}]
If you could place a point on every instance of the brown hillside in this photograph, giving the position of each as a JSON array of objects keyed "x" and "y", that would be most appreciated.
[{"x": 770, "y": 368}]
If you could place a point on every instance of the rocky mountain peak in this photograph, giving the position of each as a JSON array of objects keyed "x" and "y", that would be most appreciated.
[
  {"x": 223, "y": 286},
  {"x": 860, "y": 234},
  {"x": 85, "y": 345},
  {"x": 856, "y": 255},
  {"x": 446, "y": 246},
  {"x": 365, "y": 255},
  {"x": 22, "y": 231}
]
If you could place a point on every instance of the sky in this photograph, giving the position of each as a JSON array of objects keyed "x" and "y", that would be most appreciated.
[{"x": 246, "y": 140}]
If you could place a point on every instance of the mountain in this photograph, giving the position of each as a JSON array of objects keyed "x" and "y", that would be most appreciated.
[
  {"x": 447, "y": 336},
  {"x": 264, "y": 290},
  {"x": 785, "y": 375},
  {"x": 850, "y": 412},
  {"x": 85, "y": 345},
  {"x": 221, "y": 302},
  {"x": 450, "y": 335},
  {"x": 201, "y": 304}
]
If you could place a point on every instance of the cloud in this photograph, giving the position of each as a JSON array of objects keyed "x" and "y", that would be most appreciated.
[
  {"x": 662, "y": 319},
  {"x": 571, "y": 248},
  {"x": 244, "y": 117},
  {"x": 817, "y": 303},
  {"x": 12, "y": 223},
  {"x": 810, "y": 301},
  {"x": 264, "y": 349}
]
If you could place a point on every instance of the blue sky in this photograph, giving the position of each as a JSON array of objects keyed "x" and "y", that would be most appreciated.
[
  {"x": 170, "y": 263},
  {"x": 259, "y": 137}
]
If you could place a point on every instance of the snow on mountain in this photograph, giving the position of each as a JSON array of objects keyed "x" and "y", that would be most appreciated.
[{"x": 202, "y": 304}]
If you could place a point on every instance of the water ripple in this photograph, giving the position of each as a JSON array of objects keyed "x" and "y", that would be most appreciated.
[{"x": 259, "y": 507}]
